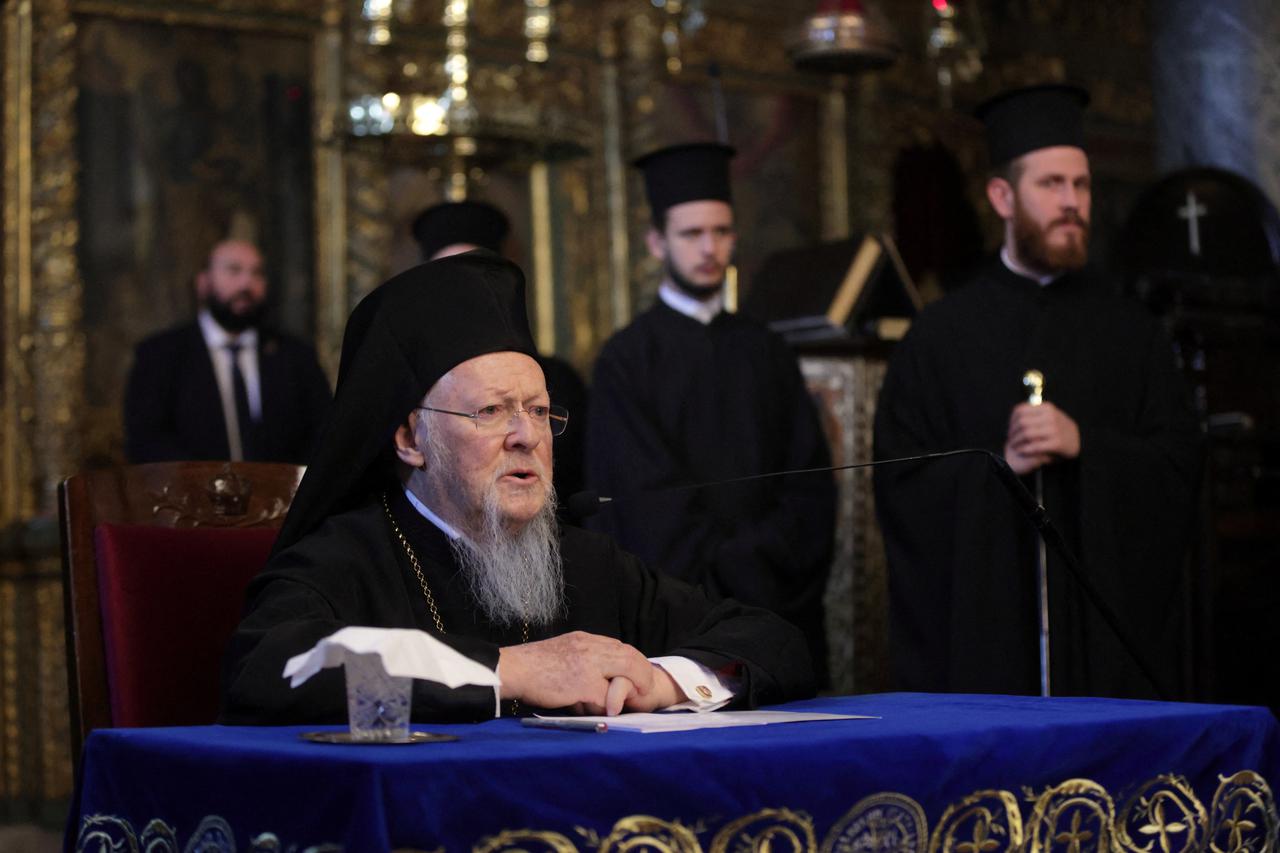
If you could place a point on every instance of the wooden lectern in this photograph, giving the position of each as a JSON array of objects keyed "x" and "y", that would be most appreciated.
[{"x": 841, "y": 306}]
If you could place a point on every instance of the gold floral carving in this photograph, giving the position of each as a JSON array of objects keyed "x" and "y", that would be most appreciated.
[
  {"x": 775, "y": 830},
  {"x": 880, "y": 823},
  {"x": 983, "y": 822},
  {"x": 1243, "y": 815},
  {"x": 1163, "y": 816},
  {"x": 650, "y": 834},
  {"x": 1075, "y": 816}
]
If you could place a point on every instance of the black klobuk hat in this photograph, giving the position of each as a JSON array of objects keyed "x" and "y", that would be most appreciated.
[
  {"x": 476, "y": 222},
  {"x": 695, "y": 171},
  {"x": 1023, "y": 120}
]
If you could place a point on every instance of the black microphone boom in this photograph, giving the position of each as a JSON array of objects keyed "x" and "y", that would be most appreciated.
[{"x": 587, "y": 503}]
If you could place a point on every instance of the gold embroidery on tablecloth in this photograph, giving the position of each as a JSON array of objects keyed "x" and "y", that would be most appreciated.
[
  {"x": 983, "y": 822},
  {"x": 1243, "y": 816},
  {"x": 527, "y": 840},
  {"x": 647, "y": 833},
  {"x": 1163, "y": 816},
  {"x": 881, "y": 823},
  {"x": 767, "y": 831},
  {"x": 1073, "y": 817}
]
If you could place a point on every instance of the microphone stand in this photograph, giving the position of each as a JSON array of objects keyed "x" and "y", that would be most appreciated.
[
  {"x": 587, "y": 502},
  {"x": 1052, "y": 538}
]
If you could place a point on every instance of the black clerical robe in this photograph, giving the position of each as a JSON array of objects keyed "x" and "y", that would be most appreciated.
[
  {"x": 677, "y": 402},
  {"x": 961, "y": 555},
  {"x": 352, "y": 571}
]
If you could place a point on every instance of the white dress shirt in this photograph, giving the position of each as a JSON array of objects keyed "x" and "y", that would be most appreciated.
[
  {"x": 705, "y": 688},
  {"x": 216, "y": 339}
]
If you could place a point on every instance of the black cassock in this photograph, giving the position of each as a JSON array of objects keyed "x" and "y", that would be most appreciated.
[
  {"x": 962, "y": 558},
  {"x": 676, "y": 402},
  {"x": 352, "y": 571}
]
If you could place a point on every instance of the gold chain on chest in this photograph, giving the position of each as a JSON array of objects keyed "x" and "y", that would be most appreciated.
[
  {"x": 422, "y": 578},
  {"x": 413, "y": 561}
]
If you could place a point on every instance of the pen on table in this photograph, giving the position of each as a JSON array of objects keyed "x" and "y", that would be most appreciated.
[{"x": 567, "y": 725}]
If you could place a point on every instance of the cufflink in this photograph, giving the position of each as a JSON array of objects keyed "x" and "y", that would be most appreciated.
[{"x": 703, "y": 691}]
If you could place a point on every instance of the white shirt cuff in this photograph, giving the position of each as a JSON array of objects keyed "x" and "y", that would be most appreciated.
[{"x": 705, "y": 688}]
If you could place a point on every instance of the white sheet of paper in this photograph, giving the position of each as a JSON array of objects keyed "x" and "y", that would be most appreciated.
[{"x": 685, "y": 721}]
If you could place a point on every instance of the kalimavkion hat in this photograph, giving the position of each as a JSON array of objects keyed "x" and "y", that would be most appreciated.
[
  {"x": 476, "y": 222},
  {"x": 399, "y": 341},
  {"x": 1023, "y": 120},
  {"x": 696, "y": 171}
]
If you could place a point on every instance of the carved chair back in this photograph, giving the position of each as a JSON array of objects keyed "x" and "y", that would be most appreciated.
[{"x": 155, "y": 559}]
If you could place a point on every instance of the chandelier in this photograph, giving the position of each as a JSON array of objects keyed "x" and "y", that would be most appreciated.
[{"x": 460, "y": 110}]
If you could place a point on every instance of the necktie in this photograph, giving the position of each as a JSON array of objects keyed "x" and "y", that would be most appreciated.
[{"x": 248, "y": 429}]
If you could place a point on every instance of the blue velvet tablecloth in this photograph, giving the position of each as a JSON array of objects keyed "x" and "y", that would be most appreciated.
[{"x": 990, "y": 772}]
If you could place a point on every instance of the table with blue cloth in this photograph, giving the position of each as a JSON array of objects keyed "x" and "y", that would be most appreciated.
[{"x": 971, "y": 774}]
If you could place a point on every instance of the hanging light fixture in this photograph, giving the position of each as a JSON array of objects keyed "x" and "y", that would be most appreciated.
[
  {"x": 539, "y": 20},
  {"x": 463, "y": 112},
  {"x": 955, "y": 45},
  {"x": 843, "y": 37}
]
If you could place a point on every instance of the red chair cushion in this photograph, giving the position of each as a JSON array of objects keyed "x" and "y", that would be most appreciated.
[{"x": 170, "y": 599}]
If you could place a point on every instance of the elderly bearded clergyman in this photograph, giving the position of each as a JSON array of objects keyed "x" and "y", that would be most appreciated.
[{"x": 429, "y": 505}]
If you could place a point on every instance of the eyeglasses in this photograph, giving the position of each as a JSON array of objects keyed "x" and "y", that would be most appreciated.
[{"x": 498, "y": 418}]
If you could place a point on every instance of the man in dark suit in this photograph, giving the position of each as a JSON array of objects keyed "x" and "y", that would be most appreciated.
[{"x": 224, "y": 386}]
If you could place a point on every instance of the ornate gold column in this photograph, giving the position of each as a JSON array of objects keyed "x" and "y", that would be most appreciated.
[
  {"x": 615, "y": 179},
  {"x": 331, "y": 304},
  {"x": 43, "y": 348},
  {"x": 835, "y": 162},
  {"x": 42, "y": 370},
  {"x": 15, "y": 501},
  {"x": 543, "y": 272}
]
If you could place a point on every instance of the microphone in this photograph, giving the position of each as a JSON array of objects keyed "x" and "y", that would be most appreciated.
[{"x": 587, "y": 503}]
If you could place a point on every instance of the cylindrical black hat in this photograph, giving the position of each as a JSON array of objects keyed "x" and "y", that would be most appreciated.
[
  {"x": 1024, "y": 120},
  {"x": 696, "y": 171},
  {"x": 399, "y": 341},
  {"x": 475, "y": 222}
]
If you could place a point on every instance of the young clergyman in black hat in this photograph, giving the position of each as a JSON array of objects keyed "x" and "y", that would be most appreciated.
[
  {"x": 689, "y": 393},
  {"x": 429, "y": 505},
  {"x": 1117, "y": 447}
]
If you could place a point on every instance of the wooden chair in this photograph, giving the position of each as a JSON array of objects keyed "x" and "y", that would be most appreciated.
[{"x": 155, "y": 561}]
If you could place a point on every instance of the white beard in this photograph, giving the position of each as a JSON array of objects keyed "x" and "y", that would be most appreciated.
[{"x": 515, "y": 578}]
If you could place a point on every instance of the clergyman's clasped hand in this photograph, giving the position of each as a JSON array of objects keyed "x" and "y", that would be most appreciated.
[{"x": 586, "y": 672}]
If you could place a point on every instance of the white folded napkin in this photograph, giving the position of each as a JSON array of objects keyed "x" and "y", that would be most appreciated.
[{"x": 404, "y": 652}]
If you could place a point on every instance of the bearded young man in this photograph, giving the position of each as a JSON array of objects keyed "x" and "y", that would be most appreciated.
[
  {"x": 430, "y": 505},
  {"x": 1115, "y": 444},
  {"x": 690, "y": 393},
  {"x": 225, "y": 386}
]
